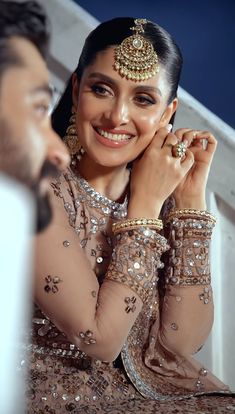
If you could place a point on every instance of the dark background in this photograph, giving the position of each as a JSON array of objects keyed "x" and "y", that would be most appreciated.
[{"x": 205, "y": 32}]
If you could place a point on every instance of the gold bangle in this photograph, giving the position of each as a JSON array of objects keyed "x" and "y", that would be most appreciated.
[
  {"x": 136, "y": 223},
  {"x": 190, "y": 212},
  {"x": 152, "y": 227}
]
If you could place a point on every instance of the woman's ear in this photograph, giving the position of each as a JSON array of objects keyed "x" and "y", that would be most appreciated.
[
  {"x": 75, "y": 91},
  {"x": 167, "y": 114}
]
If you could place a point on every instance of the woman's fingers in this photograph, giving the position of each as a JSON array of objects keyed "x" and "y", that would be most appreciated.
[
  {"x": 160, "y": 137},
  {"x": 188, "y": 160},
  {"x": 207, "y": 141},
  {"x": 185, "y": 134},
  {"x": 170, "y": 141},
  {"x": 197, "y": 138}
]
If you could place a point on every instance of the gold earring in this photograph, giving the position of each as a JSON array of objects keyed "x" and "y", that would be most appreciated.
[{"x": 72, "y": 141}]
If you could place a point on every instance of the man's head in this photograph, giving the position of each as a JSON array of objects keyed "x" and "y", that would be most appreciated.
[{"x": 30, "y": 151}]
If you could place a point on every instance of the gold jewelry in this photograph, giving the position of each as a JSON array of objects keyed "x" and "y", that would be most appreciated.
[
  {"x": 135, "y": 58},
  {"x": 179, "y": 150},
  {"x": 136, "y": 223},
  {"x": 189, "y": 236},
  {"x": 191, "y": 213},
  {"x": 135, "y": 260},
  {"x": 72, "y": 141},
  {"x": 133, "y": 227}
]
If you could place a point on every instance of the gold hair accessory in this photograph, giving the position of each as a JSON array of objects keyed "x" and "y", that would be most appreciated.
[
  {"x": 135, "y": 58},
  {"x": 72, "y": 141},
  {"x": 135, "y": 223}
]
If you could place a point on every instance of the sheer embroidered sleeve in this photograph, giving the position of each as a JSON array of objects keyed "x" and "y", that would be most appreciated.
[
  {"x": 96, "y": 318},
  {"x": 186, "y": 316},
  {"x": 188, "y": 302}
]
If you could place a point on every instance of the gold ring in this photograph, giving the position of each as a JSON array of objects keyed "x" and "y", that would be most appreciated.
[{"x": 179, "y": 150}]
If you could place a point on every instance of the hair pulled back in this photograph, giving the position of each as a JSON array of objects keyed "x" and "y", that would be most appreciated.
[{"x": 110, "y": 33}]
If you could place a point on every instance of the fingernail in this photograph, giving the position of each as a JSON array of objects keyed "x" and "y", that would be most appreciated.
[
  {"x": 169, "y": 127},
  {"x": 186, "y": 142}
]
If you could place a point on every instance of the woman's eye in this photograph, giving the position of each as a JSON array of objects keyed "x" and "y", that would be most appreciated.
[
  {"x": 100, "y": 90},
  {"x": 145, "y": 100}
]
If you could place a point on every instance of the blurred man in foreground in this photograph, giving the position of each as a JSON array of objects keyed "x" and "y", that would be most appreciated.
[
  {"x": 30, "y": 155},
  {"x": 30, "y": 151}
]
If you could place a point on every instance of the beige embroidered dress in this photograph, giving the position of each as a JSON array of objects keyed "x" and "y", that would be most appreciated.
[{"x": 95, "y": 292}]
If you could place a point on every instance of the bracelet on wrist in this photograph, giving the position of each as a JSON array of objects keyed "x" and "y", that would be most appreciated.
[
  {"x": 190, "y": 213},
  {"x": 135, "y": 223},
  {"x": 136, "y": 259}
]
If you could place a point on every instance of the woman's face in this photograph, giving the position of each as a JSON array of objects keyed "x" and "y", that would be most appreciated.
[{"x": 117, "y": 118}]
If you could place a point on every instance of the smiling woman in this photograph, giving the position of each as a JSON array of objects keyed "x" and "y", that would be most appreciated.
[
  {"x": 124, "y": 299},
  {"x": 118, "y": 113}
]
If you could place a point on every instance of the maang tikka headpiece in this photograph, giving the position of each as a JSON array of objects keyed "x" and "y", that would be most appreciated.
[{"x": 135, "y": 58}]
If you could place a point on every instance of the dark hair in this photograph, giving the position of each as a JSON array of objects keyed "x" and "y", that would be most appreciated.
[
  {"x": 113, "y": 32},
  {"x": 27, "y": 20}
]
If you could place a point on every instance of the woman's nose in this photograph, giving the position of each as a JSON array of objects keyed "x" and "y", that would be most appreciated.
[{"x": 118, "y": 114}]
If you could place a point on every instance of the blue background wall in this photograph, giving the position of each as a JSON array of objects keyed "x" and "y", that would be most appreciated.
[{"x": 205, "y": 31}]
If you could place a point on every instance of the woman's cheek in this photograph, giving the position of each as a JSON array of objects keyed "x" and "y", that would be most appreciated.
[{"x": 149, "y": 124}]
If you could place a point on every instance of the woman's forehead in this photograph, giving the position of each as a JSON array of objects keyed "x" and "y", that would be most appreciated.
[{"x": 103, "y": 67}]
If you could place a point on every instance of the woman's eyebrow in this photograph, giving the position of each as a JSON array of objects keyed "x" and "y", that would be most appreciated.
[
  {"x": 102, "y": 77},
  {"x": 107, "y": 79},
  {"x": 147, "y": 88}
]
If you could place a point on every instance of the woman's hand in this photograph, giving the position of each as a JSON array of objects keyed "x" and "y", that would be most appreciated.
[
  {"x": 156, "y": 174},
  {"x": 190, "y": 192}
]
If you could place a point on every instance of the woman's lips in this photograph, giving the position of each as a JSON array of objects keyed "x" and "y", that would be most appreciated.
[{"x": 112, "y": 139}]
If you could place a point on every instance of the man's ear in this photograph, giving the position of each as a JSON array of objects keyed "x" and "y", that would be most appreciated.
[
  {"x": 75, "y": 91},
  {"x": 167, "y": 114}
]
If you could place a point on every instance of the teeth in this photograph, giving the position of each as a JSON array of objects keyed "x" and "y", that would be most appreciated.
[{"x": 113, "y": 137}]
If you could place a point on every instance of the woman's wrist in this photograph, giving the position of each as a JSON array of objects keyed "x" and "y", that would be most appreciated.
[
  {"x": 137, "y": 209},
  {"x": 197, "y": 204}
]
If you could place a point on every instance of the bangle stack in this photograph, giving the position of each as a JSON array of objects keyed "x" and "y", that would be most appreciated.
[
  {"x": 136, "y": 258},
  {"x": 136, "y": 223},
  {"x": 191, "y": 213},
  {"x": 189, "y": 235}
]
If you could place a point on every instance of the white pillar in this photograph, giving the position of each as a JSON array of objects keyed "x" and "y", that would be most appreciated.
[{"x": 16, "y": 218}]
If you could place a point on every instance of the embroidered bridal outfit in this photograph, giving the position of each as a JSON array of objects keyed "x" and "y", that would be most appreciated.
[{"x": 155, "y": 369}]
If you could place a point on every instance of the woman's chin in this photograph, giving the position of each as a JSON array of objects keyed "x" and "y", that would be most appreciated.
[{"x": 105, "y": 161}]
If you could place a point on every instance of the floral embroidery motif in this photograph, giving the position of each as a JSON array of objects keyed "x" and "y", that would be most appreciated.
[
  {"x": 130, "y": 302},
  {"x": 52, "y": 284},
  {"x": 87, "y": 337}
]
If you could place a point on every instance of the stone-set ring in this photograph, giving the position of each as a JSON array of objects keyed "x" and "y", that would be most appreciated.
[{"x": 179, "y": 150}]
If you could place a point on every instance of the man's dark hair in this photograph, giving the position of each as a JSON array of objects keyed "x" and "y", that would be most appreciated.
[{"x": 27, "y": 20}]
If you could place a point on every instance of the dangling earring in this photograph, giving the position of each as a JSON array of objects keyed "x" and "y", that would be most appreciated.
[{"x": 72, "y": 141}]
